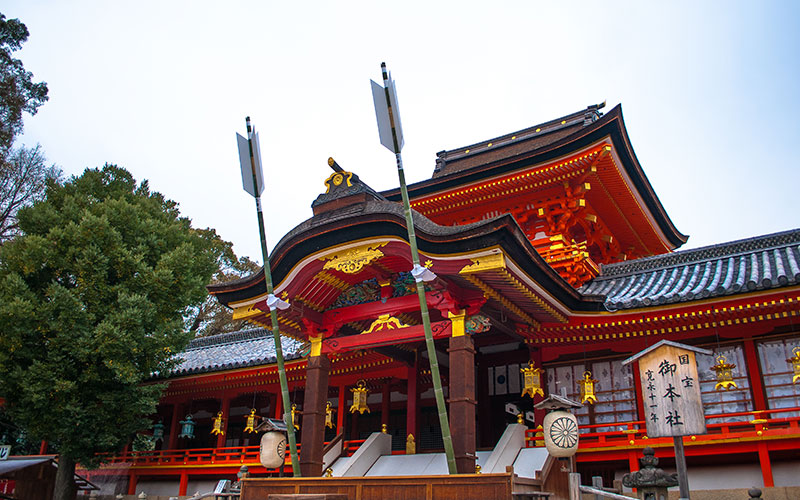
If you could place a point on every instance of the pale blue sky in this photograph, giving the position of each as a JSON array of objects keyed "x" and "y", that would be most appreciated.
[{"x": 709, "y": 93}]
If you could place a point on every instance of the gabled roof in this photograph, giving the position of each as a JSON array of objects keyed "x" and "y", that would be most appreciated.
[
  {"x": 760, "y": 263},
  {"x": 234, "y": 350}
]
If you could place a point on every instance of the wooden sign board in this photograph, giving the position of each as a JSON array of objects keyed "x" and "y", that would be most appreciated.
[{"x": 671, "y": 390}]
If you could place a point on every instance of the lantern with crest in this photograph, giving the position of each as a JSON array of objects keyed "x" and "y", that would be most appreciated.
[
  {"x": 360, "y": 398},
  {"x": 532, "y": 381},
  {"x": 723, "y": 369},
  {"x": 587, "y": 388}
]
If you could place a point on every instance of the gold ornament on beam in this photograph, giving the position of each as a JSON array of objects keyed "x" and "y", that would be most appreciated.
[
  {"x": 724, "y": 374},
  {"x": 251, "y": 421},
  {"x": 217, "y": 424},
  {"x": 795, "y": 361},
  {"x": 532, "y": 381},
  {"x": 329, "y": 415},
  {"x": 587, "y": 388},
  {"x": 360, "y": 398}
]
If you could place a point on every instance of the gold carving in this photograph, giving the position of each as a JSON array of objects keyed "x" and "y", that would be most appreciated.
[
  {"x": 353, "y": 260},
  {"x": 486, "y": 263},
  {"x": 384, "y": 322},
  {"x": 337, "y": 178},
  {"x": 246, "y": 312}
]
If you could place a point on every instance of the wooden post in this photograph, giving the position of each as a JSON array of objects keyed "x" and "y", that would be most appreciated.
[
  {"x": 462, "y": 396},
  {"x": 386, "y": 396},
  {"x": 225, "y": 408},
  {"x": 173, "y": 426},
  {"x": 43, "y": 447},
  {"x": 314, "y": 399},
  {"x": 132, "y": 481},
  {"x": 574, "y": 486},
  {"x": 412, "y": 407},
  {"x": 341, "y": 411},
  {"x": 754, "y": 375},
  {"x": 597, "y": 482},
  {"x": 680, "y": 464},
  {"x": 766, "y": 465},
  {"x": 278, "y": 407},
  {"x": 184, "y": 484}
]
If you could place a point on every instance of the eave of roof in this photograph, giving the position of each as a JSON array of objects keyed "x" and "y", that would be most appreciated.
[
  {"x": 760, "y": 263},
  {"x": 611, "y": 124}
]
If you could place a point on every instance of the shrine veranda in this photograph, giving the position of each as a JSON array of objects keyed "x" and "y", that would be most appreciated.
[{"x": 551, "y": 251}]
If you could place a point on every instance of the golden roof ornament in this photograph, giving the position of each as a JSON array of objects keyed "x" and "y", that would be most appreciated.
[
  {"x": 532, "y": 381},
  {"x": 587, "y": 388},
  {"x": 724, "y": 374},
  {"x": 360, "y": 398}
]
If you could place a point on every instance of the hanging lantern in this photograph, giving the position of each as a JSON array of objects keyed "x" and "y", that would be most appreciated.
[
  {"x": 216, "y": 427},
  {"x": 587, "y": 388},
  {"x": 251, "y": 421},
  {"x": 795, "y": 361},
  {"x": 329, "y": 415},
  {"x": 158, "y": 431},
  {"x": 360, "y": 398},
  {"x": 532, "y": 381},
  {"x": 294, "y": 417},
  {"x": 724, "y": 375},
  {"x": 187, "y": 427}
]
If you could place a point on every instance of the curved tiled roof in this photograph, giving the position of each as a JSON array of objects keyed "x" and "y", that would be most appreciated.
[
  {"x": 233, "y": 350},
  {"x": 760, "y": 263}
]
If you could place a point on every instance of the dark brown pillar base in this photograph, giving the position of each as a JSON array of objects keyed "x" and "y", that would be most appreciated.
[
  {"x": 313, "y": 423},
  {"x": 462, "y": 402}
]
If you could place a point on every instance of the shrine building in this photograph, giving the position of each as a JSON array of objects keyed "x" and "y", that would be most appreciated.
[{"x": 553, "y": 254}]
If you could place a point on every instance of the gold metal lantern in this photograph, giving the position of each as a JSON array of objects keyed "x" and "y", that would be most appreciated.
[
  {"x": 587, "y": 388},
  {"x": 360, "y": 398},
  {"x": 216, "y": 427},
  {"x": 724, "y": 374},
  {"x": 795, "y": 362},
  {"x": 329, "y": 415},
  {"x": 532, "y": 381},
  {"x": 294, "y": 417},
  {"x": 251, "y": 421}
]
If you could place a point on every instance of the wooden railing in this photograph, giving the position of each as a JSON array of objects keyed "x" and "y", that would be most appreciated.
[
  {"x": 206, "y": 456},
  {"x": 726, "y": 426}
]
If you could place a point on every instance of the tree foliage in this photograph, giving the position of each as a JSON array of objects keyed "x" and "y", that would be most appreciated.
[
  {"x": 211, "y": 317},
  {"x": 18, "y": 93},
  {"x": 92, "y": 299},
  {"x": 23, "y": 176}
]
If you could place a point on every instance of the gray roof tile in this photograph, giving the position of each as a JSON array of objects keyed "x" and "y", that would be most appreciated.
[
  {"x": 234, "y": 350},
  {"x": 759, "y": 263}
]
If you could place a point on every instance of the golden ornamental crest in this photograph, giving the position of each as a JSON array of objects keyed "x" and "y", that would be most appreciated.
[
  {"x": 351, "y": 261},
  {"x": 385, "y": 322}
]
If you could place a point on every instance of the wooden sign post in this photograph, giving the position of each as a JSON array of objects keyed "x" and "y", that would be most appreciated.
[{"x": 671, "y": 392}]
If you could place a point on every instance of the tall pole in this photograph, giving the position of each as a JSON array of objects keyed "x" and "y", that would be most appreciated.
[
  {"x": 680, "y": 465},
  {"x": 276, "y": 334},
  {"x": 423, "y": 303}
]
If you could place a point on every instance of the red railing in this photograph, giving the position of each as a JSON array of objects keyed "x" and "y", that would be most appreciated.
[
  {"x": 206, "y": 456},
  {"x": 751, "y": 424}
]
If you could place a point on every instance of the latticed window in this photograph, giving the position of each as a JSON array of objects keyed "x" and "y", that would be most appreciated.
[
  {"x": 720, "y": 401},
  {"x": 777, "y": 374},
  {"x": 616, "y": 396}
]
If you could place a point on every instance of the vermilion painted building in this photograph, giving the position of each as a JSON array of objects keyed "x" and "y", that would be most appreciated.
[{"x": 550, "y": 246}]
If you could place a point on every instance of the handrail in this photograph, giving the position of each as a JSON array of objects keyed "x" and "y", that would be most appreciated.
[{"x": 760, "y": 422}]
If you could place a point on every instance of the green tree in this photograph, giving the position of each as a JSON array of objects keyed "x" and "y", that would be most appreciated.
[
  {"x": 18, "y": 93},
  {"x": 93, "y": 294}
]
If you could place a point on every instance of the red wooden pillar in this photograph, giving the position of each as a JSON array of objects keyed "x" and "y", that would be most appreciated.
[
  {"x": 385, "y": 403},
  {"x": 43, "y": 447},
  {"x": 314, "y": 399},
  {"x": 341, "y": 411},
  {"x": 184, "y": 484},
  {"x": 766, "y": 465},
  {"x": 278, "y": 406},
  {"x": 754, "y": 375},
  {"x": 226, "y": 410},
  {"x": 462, "y": 395},
  {"x": 132, "y": 482},
  {"x": 173, "y": 427},
  {"x": 412, "y": 406}
]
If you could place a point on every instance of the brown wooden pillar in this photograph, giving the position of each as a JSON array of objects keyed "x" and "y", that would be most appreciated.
[
  {"x": 462, "y": 395},
  {"x": 225, "y": 408},
  {"x": 173, "y": 426},
  {"x": 315, "y": 397},
  {"x": 412, "y": 406}
]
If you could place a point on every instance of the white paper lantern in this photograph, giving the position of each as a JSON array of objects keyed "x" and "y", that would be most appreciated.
[
  {"x": 560, "y": 433},
  {"x": 272, "y": 452}
]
